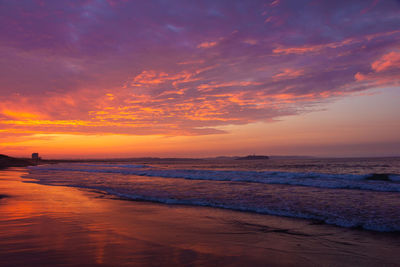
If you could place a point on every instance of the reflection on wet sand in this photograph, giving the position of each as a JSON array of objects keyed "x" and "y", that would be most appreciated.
[{"x": 55, "y": 225}]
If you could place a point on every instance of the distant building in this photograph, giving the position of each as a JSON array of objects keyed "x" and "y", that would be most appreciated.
[{"x": 35, "y": 156}]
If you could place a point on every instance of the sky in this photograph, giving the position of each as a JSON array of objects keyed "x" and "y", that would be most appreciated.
[{"x": 119, "y": 78}]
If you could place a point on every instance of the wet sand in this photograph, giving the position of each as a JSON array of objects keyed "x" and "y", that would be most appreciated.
[{"x": 55, "y": 225}]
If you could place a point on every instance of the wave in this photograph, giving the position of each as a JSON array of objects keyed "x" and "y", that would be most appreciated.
[
  {"x": 324, "y": 217},
  {"x": 243, "y": 191},
  {"x": 338, "y": 221},
  {"x": 108, "y": 165},
  {"x": 320, "y": 180}
]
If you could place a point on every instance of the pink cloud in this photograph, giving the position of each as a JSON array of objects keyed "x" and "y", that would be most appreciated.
[
  {"x": 387, "y": 61},
  {"x": 288, "y": 73},
  {"x": 207, "y": 44},
  {"x": 385, "y": 71},
  {"x": 182, "y": 69}
]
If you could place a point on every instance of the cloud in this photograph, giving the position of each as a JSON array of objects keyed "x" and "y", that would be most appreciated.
[
  {"x": 181, "y": 68},
  {"x": 387, "y": 61},
  {"x": 385, "y": 71},
  {"x": 207, "y": 44},
  {"x": 288, "y": 73}
]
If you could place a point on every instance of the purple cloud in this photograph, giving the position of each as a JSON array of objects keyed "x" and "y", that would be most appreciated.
[{"x": 186, "y": 67}]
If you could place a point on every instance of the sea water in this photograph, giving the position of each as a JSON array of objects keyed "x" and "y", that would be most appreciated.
[{"x": 343, "y": 192}]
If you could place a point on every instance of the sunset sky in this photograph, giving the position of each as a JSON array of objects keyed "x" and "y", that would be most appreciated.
[{"x": 119, "y": 78}]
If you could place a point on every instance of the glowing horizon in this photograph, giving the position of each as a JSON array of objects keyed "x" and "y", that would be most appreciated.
[{"x": 195, "y": 79}]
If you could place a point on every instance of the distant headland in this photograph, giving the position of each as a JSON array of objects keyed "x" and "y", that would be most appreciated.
[
  {"x": 6, "y": 161},
  {"x": 253, "y": 157}
]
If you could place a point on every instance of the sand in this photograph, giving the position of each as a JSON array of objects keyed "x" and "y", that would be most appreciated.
[{"x": 54, "y": 225}]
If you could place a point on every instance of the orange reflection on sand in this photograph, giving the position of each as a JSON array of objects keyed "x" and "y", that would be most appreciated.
[{"x": 50, "y": 215}]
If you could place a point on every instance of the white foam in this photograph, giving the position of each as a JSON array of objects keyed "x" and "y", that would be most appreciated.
[
  {"x": 321, "y": 180},
  {"x": 347, "y": 208}
]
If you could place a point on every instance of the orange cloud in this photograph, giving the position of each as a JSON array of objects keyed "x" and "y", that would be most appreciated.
[
  {"x": 360, "y": 77},
  {"x": 385, "y": 71},
  {"x": 211, "y": 86},
  {"x": 275, "y": 3},
  {"x": 387, "y": 61},
  {"x": 20, "y": 114},
  {"x": 333, "y": 45},
  {"x": 313, "y": 48},
  {"x": 250, "y": 41},
  {"x": 207, "y": 44},
  {"x": 151, "y": 78},
  {"x": 289, "y": 73}
]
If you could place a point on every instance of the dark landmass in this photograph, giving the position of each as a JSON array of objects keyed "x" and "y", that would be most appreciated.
[
  {"x": 6, "y": 161},
  {"x": 293, "y": 157},
  {"x": 150, "y": 159},
  {"x": 253, "y": 157},
  {"x": 222, "y": 158},
  {"x": 270, "y": 157},
  {"x": 379, "y": 177}
]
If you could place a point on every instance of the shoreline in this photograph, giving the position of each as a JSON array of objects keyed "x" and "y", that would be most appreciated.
[
  {"x": 8, "y": 162},
  {"x": 55, "y": 225},
  {"x": 317, "y": 197}
]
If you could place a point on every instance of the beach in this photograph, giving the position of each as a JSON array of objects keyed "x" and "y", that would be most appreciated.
[
  {"x": 199, "y": 133},
  {"x": 45, "y": 225}
]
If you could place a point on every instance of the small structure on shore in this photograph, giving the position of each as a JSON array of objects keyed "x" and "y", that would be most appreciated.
[{"x": 35, "y": 156}]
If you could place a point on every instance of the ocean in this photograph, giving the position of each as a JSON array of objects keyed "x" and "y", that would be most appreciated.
[{"x": 345, "y": 192}]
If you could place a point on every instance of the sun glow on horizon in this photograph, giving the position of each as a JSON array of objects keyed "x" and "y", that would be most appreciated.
[{"x": 199, "y": 80}]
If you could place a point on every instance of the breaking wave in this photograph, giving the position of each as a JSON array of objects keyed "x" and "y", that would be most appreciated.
[{"x": 321, "y": 180}]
